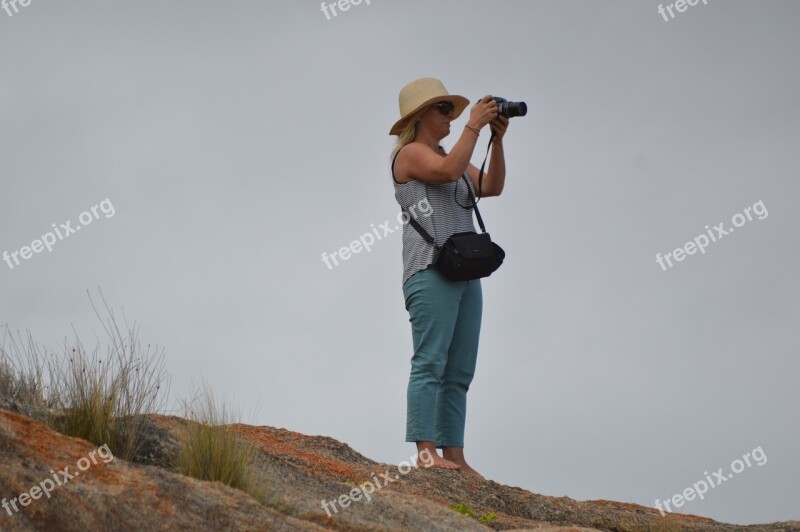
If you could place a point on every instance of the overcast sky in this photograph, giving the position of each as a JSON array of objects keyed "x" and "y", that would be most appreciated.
[{"x": 237, "y": 142}]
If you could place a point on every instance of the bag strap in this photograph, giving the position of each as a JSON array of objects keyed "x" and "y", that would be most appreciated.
[{"x": 421, "y": 230}]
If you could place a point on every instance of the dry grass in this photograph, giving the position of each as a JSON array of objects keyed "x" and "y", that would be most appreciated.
[
  {"x": 22, "y": 385},
  {"x": 101, "y": 396},
  {"x": 209, "y": 450},
  {"x": 98, "y": 396}
]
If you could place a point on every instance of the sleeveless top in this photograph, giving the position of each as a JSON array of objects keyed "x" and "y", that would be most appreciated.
[{"x": 445, "y": 217}]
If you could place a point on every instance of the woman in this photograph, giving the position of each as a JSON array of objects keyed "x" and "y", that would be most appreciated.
[{"x": 445, "y": 315}]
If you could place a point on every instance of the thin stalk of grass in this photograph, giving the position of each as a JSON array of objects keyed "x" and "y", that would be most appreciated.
[{"x": 23, "y": 379}]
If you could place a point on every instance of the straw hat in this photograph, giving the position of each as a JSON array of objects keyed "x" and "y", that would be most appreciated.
[{"x": 419, "y": 94}]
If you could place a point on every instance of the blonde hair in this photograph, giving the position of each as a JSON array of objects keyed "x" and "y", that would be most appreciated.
[{"x": 405, "y": 137}]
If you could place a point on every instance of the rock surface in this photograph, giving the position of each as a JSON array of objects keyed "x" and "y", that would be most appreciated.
[{"x": 298, "y": 471}]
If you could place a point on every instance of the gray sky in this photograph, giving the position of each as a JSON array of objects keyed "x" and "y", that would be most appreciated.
[{"x": 237, "y": 142}]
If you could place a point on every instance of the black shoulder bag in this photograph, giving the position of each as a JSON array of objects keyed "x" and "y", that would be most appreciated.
[{"x": 468, "y": 255}]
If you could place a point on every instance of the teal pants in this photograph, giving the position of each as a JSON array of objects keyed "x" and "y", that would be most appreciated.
[{"x": 445, "y": 321}]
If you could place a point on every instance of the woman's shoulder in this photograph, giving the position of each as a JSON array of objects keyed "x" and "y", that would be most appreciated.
[
  {"x": 412, "y": 149},
  {"x": 417, "y": 148}
]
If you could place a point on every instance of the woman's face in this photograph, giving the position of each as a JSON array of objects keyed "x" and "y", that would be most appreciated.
[{"x": 435, "y": 121}]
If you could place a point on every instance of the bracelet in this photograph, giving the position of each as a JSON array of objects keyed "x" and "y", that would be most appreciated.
[{"x": 475, "y": 129}]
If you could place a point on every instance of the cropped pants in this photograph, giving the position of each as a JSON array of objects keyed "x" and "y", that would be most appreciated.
[{"x": 445, "y": 321}]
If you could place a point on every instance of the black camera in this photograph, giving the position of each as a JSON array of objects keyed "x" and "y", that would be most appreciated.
[{"x": 510, "y": 109}]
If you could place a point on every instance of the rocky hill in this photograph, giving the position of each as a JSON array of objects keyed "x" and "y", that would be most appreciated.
[{"x": 299, "y": 472}]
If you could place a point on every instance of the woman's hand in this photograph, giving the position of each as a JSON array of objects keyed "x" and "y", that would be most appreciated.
[
  {"x": 499, "y": 126},
  {"x": 483, "y": 112}
]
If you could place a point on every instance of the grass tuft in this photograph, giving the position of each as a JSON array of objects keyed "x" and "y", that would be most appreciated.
[
  {"x": 209, "y": 450},
  {"x": 461, "y": 508},
  {"x": 22, "y": 387},
  {"x": 99, "y": 396},
  {"x": 487, "y": 518}
]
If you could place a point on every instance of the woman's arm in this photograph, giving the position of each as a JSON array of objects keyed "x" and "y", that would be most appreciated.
[{"x": 418, "y": 161}]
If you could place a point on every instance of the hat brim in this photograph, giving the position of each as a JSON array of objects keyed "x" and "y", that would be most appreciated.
[{"x": 459, "y": 102}]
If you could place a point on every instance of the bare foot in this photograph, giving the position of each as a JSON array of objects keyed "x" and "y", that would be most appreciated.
[
  {"x": 430, "y": 458},
  {"x": 442, "y": 463},
  {"x": 467, "y": 469},
  {"x": 456, "y": 455}
]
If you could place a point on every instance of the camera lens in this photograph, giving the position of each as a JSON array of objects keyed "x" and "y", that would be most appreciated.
[
  {"x": 510, "y": 109},
  {"x": 520, "y": 109}
]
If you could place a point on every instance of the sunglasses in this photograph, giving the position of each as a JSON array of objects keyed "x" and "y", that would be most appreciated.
[{"x": 445, "y": 107}]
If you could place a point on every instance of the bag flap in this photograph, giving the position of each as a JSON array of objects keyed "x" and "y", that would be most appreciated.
[{"x": 472, "y": 245}]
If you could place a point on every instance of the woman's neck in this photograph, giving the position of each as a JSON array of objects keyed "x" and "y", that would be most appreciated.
[{"x": 425, "y": 138}]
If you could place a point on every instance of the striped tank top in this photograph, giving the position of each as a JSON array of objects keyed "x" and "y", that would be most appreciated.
[{"x": 441, "y": 220}]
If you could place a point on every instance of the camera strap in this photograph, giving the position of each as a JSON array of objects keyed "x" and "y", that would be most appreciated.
[
  {"x": 483, "y": 165},
  {"x": 421, "y": 230},
  {"x": 428, "y": 238}
]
